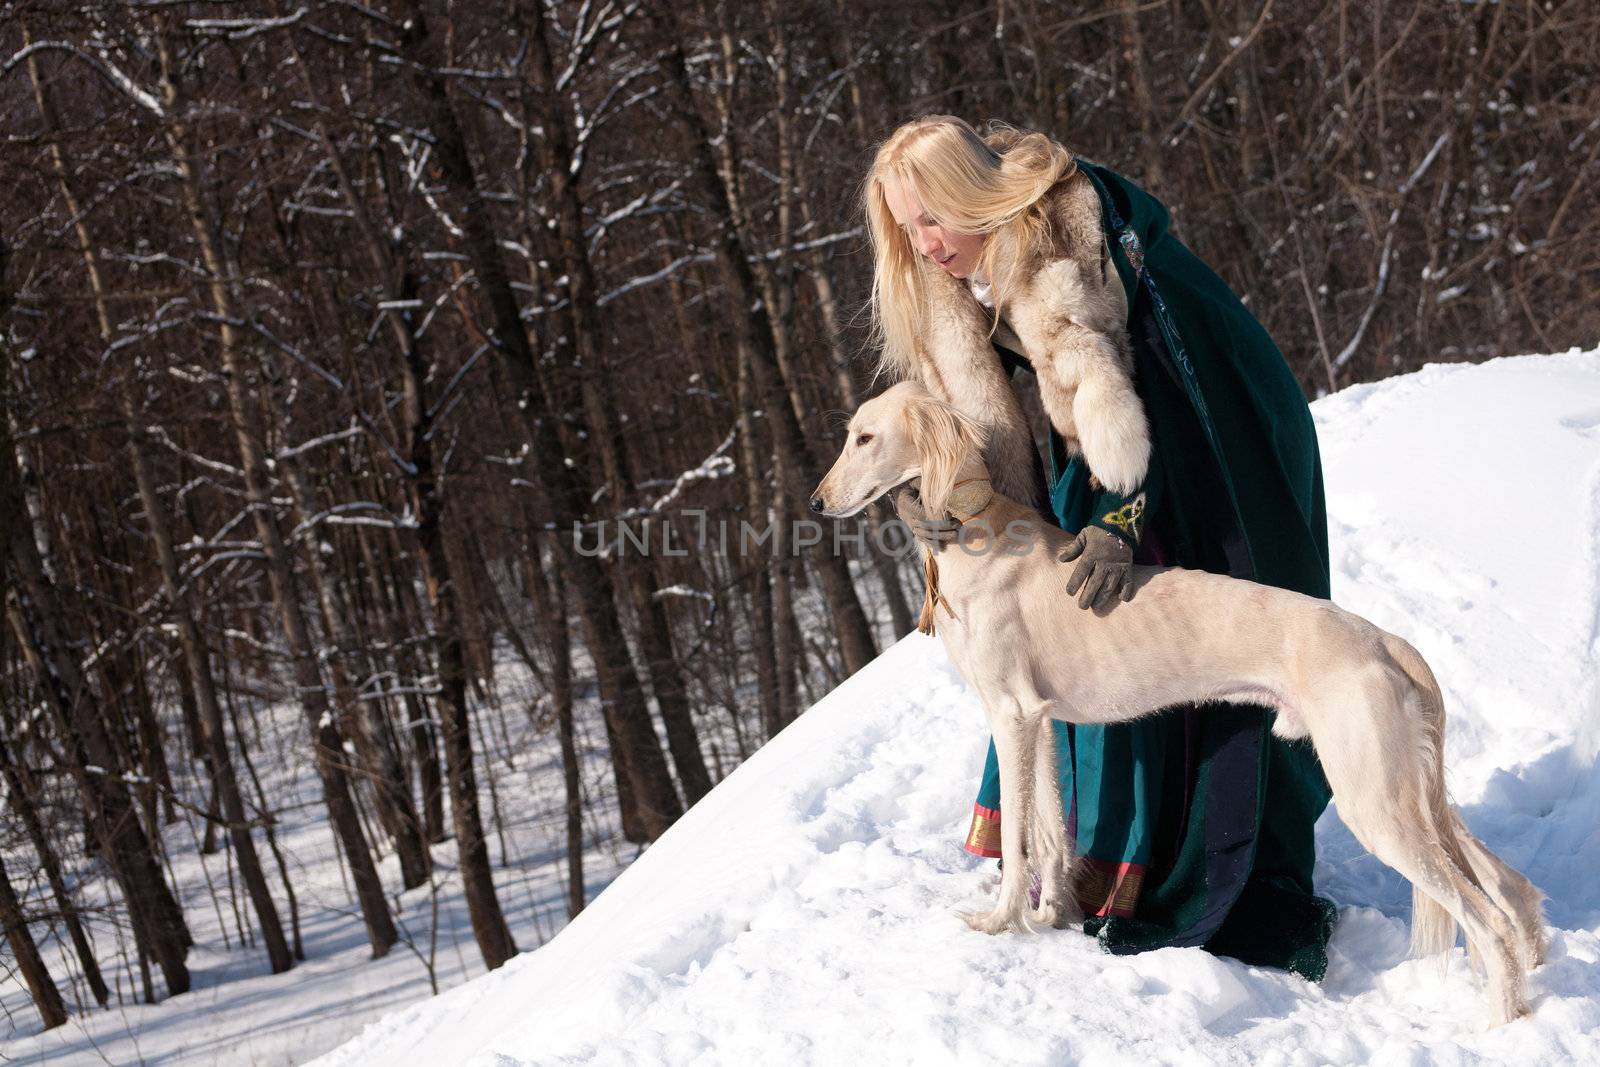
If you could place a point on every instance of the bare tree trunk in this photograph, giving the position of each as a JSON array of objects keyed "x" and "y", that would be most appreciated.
[
  {"x": 114, "y": 823},
  {"x": 46, "y": 997},
  {"x": 627, "y": 714},
  {"x": 35, "y": 615},
  {"x": 391, "y": 789},
  {"x": 198, "y": 678},
  {"x": 21, "y": 800},
  {"x": 328, "y": 742},
  {"x": 787, "y": 659},
  {"x": 550, "y": 604},
  {"x": 198, "y": 668},
  {"x": 483, "y": 907},
  {"x": 488, "y": 923},
  {"x": 586, "y": 342},
  {"x": 1143, "y": 103},
  {"x": 428, "y": 503},
  {"x": 400, "y": 615},
  {"x": 763, "y": 647},
  {"x": 755, "y": 333},
  {"x": 232, "y": 707},
  {"x": 828, "y": 304}
]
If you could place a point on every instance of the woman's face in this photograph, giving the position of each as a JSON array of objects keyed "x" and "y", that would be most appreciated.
[{"x": 956, "y": 253}]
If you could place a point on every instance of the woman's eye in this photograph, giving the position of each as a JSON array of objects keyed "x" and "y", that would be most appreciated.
[{"x": 862, "y": 439}]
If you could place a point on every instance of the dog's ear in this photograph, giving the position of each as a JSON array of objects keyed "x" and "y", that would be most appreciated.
[{"x": 943, "y": 439}]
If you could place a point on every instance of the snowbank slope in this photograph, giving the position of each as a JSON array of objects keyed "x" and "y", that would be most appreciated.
[{"x": 805, "y": 910}]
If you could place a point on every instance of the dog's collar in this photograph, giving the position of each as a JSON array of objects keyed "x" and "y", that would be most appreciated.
[
  {"x": 966, "y": 504},
  {"x": 968, "y": 499}
]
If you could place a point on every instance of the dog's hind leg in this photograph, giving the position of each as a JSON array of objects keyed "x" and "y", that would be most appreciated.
[
  {"x": 1379, "y": 746},
  {"x": 1429, "y": 868},
  {"x": 1048, "y": 835},
  {"x": 1015, "y": 737},
  {"x": 1511, "y": 890}
]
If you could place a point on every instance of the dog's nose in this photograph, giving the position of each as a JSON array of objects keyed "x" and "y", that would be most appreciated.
[{"x": 816, "y": 504}]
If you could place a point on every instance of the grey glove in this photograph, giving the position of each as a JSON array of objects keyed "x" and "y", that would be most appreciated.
[
  {"x": 1104, "y": 573},
  {"x": 931, "y": 532}
]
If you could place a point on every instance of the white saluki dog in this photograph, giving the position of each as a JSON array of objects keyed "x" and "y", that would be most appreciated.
[{"x": 1364, "y": 697}]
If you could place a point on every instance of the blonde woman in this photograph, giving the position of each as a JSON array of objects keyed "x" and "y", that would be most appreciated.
[{"x": 1177, "y": 434}]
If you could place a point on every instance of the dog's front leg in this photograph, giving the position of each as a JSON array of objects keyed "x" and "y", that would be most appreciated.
[
  {"x": 1015, "y": 735},
  {"x": 1058, "y": 906}
]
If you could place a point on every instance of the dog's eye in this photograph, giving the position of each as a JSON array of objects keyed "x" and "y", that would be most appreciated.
[{"x": 863, "y": 438}]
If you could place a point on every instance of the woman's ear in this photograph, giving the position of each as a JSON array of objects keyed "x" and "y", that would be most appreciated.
[{"x": 943, "y": 439}]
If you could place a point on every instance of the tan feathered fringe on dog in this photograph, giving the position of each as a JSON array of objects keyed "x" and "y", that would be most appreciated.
[{"x": 1365, "y": 698}]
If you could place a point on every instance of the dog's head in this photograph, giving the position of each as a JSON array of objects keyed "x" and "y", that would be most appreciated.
[{"x": 901, "y": 434}]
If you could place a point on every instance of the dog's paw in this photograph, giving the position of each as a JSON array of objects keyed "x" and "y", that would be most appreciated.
[
  {"x": 1508, "y": 1010},
  {"x": 1049, "y": 916},
  {"x": 991, "y": 922}
]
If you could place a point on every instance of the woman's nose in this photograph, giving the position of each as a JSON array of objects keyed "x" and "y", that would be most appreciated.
[{"x": 930, "y": 246}]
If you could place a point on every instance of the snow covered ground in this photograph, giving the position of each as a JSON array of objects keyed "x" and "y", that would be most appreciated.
[{"x": 805, "y": 911}]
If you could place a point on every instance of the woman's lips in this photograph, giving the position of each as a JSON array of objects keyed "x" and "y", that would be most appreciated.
[{"x": 945, "y": 262}]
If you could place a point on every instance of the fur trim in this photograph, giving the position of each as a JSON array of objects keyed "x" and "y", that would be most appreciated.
[
  {"x": 958, "y": 364},
  {"x": 1069, "y": 311},
  {"x": 1071, "y": 316}
]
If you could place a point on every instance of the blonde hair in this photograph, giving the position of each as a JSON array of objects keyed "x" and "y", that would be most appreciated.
[{"x": 972, "y": 184}]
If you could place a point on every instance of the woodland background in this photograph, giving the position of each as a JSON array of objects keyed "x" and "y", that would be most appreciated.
[{"x": 323, "y": 322}]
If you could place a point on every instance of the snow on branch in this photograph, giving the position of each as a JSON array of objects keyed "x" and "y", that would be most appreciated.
[
  {"x": 683, "y": 591},
  {"x": 159, "y": 434},
  {"x": 377, "y": 434},
  {"x": 239, "y": 29},
  {"x": 636, "y": 206},
  {"x": 1382, "y": 282},
  {"x": 455, "y": 382},
  {"x": 605, "y": 109},
  {"x": 106, "y": 69},
  {"x": 815, "y": 242},
  {"x": 149, "y": 329},
  {"x": 443, "y": 299},
  {"x": 293, "y": 353},
  {"x": 655, "y": 276},
  {"x": 667, "y": 271},
  {"x": 716, "y": 465},
  {"x": 350, "y": 515},
  {"x": 137, "y": 259},
  {"x": 585, "y": 33},
  {"x": 371, "y": 13},
  {"x": 416, "y": 162},
  {"x": 327, "y": 438}
]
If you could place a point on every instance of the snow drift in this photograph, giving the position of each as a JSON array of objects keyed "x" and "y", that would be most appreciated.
[{"x": 805, "y": 910}]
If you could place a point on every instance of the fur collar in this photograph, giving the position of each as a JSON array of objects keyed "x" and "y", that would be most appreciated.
[
  {"x": 1067, "y": 307},
  {"x": 958, "y": 364}
]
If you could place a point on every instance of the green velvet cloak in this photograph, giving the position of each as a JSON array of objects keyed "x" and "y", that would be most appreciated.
[{"x": 1213, "y": 813}]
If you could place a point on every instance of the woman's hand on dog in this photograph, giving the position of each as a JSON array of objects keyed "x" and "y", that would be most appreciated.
[
  {"x": 1104, "y": 573},
  {"x": 931, "y": 532}
]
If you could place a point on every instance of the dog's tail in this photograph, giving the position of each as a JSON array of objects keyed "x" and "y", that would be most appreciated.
[{"x": 1433, "y": 929}]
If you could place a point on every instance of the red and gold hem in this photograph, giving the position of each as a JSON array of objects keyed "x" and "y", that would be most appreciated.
[
  {"x": 983, "y": 838},
  {"x": 1108, "y": 888}
]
